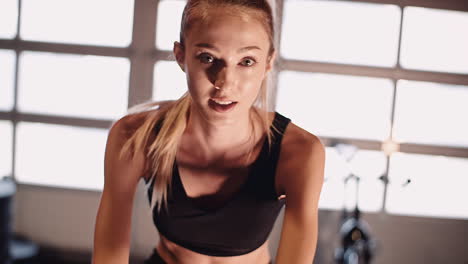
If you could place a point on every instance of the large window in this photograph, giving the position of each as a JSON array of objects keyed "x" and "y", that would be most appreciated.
[
  {"x": 78, "y": 21},
  {"x": 438, "y": 119},
  {"x": 6, "y": 140},
  {"x": 385, "y": 78},
  {"x": 8, "y": 18},
  {"x": 169, "y": 80},
  {"x": 7, "y": 68},
  {"x": 437, "y": 185},
  {"x": 81, "y": 85},
  {"x": 59, "y": 155},
  {"x": 434, "y": 40},
  {"x": 337, "y": 105},
  {"x": 63, "y": 80},
  {"x": 340, "y": 32},
  {"x": 391, "y": 81}
]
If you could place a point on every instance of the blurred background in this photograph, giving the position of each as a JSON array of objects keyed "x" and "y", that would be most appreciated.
[{"x": 387, "y": 77}]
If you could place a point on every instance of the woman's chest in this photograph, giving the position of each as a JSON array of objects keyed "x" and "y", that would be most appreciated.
[{"x": 210, "y": 188}]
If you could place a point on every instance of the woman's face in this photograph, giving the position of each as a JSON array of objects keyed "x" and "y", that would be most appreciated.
[{"x": 225, "y": 59}]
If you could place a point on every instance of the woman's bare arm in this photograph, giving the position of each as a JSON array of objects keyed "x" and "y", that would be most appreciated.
[
  {"x": 113, "y": 221},
  {"x": 302, "y": 186}
]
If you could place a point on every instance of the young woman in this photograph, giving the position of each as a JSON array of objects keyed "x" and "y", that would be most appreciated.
[{"x": 218, "y": 165}]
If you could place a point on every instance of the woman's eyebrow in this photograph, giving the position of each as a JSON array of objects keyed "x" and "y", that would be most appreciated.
[
  {"x": 248, "y": 48},
  {"x": 207, "y": 45}
]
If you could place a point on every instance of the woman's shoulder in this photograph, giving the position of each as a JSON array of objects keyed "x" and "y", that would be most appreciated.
[
  {"x": 301, "y": 158},
  {"x": 299, "y": 145},
  {"x": 297, "y": 136},
  {"x": 294, "y": 137}
]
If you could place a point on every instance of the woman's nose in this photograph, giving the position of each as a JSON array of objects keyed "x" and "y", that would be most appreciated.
[{"x": 224, "y": 78}]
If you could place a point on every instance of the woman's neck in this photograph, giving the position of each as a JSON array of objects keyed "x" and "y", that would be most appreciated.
[{"x": 216, "y": 137}]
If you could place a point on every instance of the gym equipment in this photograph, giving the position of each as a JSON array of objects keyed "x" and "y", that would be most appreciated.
[
  {"x": 13, "y": 248},
  {"x": 357, "y": 244}
]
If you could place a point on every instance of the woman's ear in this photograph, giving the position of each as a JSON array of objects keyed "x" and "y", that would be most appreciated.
[
  {"x": 179, "y": 54},
  {"x": 270, "y": 62}
]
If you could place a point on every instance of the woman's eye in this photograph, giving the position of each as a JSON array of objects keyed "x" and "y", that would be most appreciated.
[
  {"x": 206, "y": 58},
  {"x": 248, "y": 62}
]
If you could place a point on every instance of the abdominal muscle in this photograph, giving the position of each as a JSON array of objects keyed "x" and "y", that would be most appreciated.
[{"x": 175, "y": 254}]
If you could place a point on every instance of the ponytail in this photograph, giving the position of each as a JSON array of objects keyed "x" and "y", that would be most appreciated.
[{"x": 171, "y": 119}]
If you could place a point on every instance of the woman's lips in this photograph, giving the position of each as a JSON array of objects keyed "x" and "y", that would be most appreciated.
[
  {"x": 221, "y": 105},
  {"x": 222, "y": 102}
]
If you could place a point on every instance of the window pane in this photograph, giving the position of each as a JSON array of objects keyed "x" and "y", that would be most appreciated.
[
  {"x": 6, "y": 140},
  {"x": 7, "y": 75},
  {"x": 369, "y": 166},
  {"x": 341, "y": 32},
  {"x": 168, "y": 23},
  {"x": 439, "y": 116},
  {"x": 78, "y": 21},
  {"x": 370, "y": 187},
  {"x": 337, "y": 105},
  {"x": 73, "y": 85},
  {"x": 60, "y": 155},
  {"x": 435, "y": 40},
  {"x": 332, "y": 195},
  {"x": 437, "y": 188},
  {"x": 8, "y": 18},
  {"x": 169, "y": 81}
]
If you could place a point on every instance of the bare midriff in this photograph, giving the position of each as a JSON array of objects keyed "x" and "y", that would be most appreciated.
[{"x": 175, "y": 254}]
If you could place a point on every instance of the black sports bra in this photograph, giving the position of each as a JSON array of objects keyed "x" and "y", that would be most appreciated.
[{"x": 242, "y": 224}]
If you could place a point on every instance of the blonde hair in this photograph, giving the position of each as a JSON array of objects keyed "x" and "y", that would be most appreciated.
[{"x": 171, "y": 117}]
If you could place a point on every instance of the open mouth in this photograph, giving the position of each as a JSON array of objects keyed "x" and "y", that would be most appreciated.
[{"x": 221, "y": 105}]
